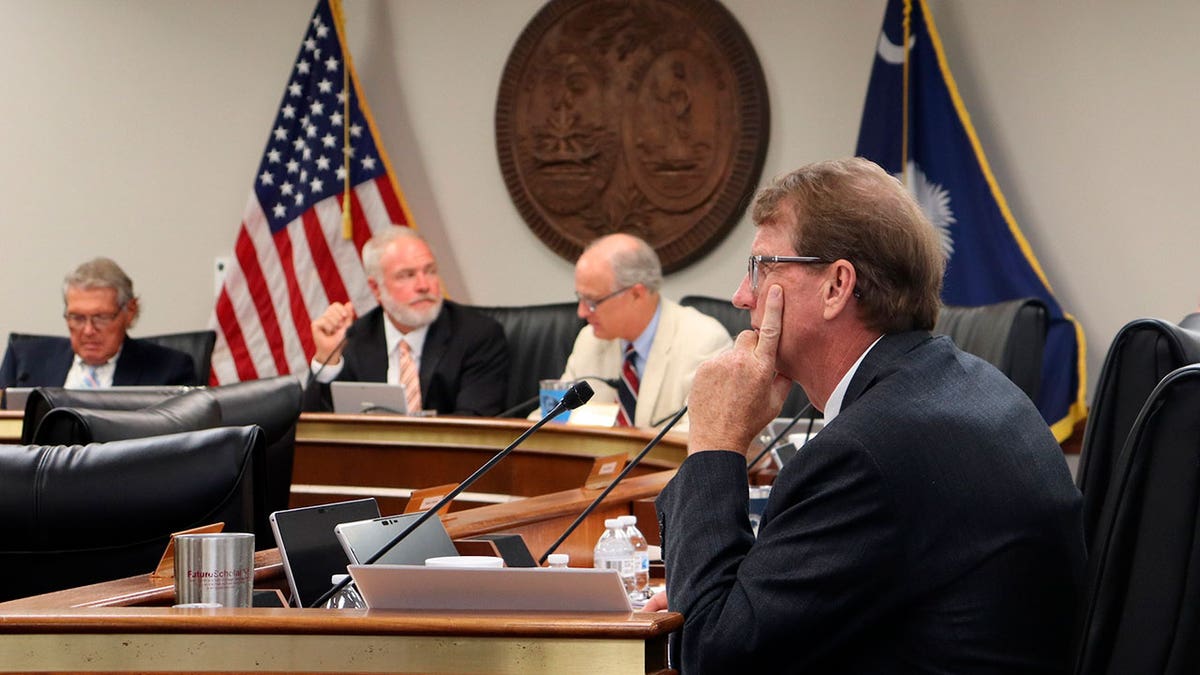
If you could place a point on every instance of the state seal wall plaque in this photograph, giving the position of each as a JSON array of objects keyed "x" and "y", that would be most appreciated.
[{"x": 640, "y": 116}]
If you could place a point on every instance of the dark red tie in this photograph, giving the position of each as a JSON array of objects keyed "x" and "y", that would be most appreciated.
[{"x": 627, "y": 392}]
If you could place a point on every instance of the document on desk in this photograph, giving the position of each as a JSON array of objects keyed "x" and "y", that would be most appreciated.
[{"x": 414, "y": 587}]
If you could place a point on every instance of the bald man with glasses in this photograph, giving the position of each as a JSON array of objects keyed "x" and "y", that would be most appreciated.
[
  {"x": 99, "y": 308},
  {"x": 649, "y": 344}
]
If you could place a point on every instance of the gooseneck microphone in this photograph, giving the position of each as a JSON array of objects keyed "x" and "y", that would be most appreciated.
[
  {"x": 808, "y": 409},
  {"x": 576, "y": 396},
  {"x": 629, "y": 467}
]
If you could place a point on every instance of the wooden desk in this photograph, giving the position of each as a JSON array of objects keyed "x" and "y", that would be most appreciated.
[
  {"x": 346, "y": 456},
  {"x": 10, "y": 426},
  {"x": 141, "y": 639},
  {"x": 126, "y": 626}
]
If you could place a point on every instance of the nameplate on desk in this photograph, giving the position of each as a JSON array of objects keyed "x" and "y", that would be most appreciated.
[
  {"x": 604, "y": 469},
  {"x": 506, "y": 589},
  {"x": 426, "y": 498}
]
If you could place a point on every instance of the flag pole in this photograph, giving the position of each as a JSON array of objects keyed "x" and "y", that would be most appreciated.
[{"x": 335, "y": 7}]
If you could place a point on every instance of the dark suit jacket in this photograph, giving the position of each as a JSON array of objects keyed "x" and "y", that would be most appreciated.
[
  {"x": 931, "y": 527},
  {"x": 464, "y": 364},
  {"x": 45, "y": 362}
]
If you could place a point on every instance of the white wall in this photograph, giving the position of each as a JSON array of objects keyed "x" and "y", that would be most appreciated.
[{"x": 132, "y": 128}]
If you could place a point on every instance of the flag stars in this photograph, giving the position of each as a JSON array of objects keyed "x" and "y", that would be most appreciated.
[
  {"x": 341, "y": 172},
  {"x": 288, "y": 111},
  {"x": 266, "y": 178},
  {"x": 309, "y": 45},
  {"x": 368, "y": 163},
  {"x": 356, "y": 130},
  {"x": 286, "y": 188},
  {"x": 328, "y": 140},
  {"x": 317, "y": 108},
  {"x": 325, "y": 86},
  {"x": 298, "y": 144},
  {"x": 311, "y": 131},
  {"x": 280, "y": 134},
  {"x": 341, "y": 96},
  {"x": 279, "y": 211},
  {"x": 273, "y": 156},
  {"x": 317, "y": 185},
  {"x": 322, "y": 31},
  {"x": 307, "y": 154},
  {"x": 299, "y": 199},
  {"x": 294, "y": 89},
  {"x": 336, "y": 119},
  {"x": 331, "y": 63},
  {"x": 322, "y": 163},
  {"x": 293, "y": 166},
  {"x": 303, "y": 67}
]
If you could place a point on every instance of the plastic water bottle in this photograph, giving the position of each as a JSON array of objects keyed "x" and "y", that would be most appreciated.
[
  {"x": 347, "y": 598},
  {"x": 614, "y": 551},
  {"x": 641, "y": 550},
  {"x": 558, "y": 561}
]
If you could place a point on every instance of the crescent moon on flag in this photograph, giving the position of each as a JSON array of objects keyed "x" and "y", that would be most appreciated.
[{"x": 891, "y": 52}]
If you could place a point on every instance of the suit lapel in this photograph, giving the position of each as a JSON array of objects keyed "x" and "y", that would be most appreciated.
[
  {"x": 437, "y": 341},
  {"x": 129, "y": 365},
  {"x": 657, "y": 362}
]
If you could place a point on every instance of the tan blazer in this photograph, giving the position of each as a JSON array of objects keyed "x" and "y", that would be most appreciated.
[{"x": 685, "y": 338}]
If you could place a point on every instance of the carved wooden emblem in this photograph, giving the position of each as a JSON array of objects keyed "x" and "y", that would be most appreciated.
[{"x": 640, "y": 116}]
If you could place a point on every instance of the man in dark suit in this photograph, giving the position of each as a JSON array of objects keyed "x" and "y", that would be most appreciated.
[
  {"x": 451, "y": 358},
  {"x": 930, "y": 527},
  {"x": 100, "y": 308}
]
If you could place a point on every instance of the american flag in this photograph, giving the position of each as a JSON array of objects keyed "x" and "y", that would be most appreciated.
[{"x": 294, "y": 254}]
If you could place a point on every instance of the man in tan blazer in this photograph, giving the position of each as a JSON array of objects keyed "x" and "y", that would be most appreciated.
[{"x": 617, "y": 280}]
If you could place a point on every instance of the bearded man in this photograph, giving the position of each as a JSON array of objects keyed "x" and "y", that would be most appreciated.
[{"x": 450, "y": 358}]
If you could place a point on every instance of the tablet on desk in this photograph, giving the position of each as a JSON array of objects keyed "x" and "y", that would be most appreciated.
[
  {"x": 363, "y": 539},
  {"x": 368, "y": 397},
  {"x": 309, "y": 548}
]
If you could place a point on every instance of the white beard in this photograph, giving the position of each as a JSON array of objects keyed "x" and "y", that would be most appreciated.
[{"x": 407, "y": 316}]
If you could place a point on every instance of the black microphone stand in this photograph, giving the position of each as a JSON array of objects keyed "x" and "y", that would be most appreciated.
[
  {"x": 575, "y": 397},
  {"x": 629, "y": 467}
]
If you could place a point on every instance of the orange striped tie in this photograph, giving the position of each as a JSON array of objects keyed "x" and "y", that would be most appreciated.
[{"x": 409, "y": 378}]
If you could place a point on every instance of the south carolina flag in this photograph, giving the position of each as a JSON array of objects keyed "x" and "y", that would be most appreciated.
[{"x": 916, "y": 126}]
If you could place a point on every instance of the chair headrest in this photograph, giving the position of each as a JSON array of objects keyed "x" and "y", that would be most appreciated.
[{"x": 187, "y": 412}]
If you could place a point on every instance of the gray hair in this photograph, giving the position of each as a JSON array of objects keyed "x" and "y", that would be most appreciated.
[
  {"x": 372, "y": 251},
  {"x": 101, "y": 273},
  {"x": 635, "y": 263}
]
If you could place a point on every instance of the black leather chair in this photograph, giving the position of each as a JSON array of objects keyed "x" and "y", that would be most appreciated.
[
  {"x": 87, "y": 416},
  {"x": 273, "y": 404},
  {"x": 191, "y": 411},
  {"x": 44, "y": 399},
  {"x": 540, "y": 338},
  {"x": 80, "y": 514},
  {"x": 1142, "y": 612},
  {"x": 1191, "y": 321},
  {"x": 1010, "y": 335},
  {"x": 1141, "y": 354},
  {"x": 198, "y": 344}
]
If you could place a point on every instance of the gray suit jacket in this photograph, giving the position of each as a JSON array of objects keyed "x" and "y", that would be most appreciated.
[{"x": 931, "y": 527}]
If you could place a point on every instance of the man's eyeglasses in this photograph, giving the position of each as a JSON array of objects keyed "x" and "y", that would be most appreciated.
[
  {"x": 593, "y": 304},
  {"x": 757, "y": 261},
  {"x": 98, "y": 321}
]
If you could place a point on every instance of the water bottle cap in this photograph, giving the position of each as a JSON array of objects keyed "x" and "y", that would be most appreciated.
[
  {"x": 558, "y": 558},
  {"x": 626, "y": 521},
  {"x": 612, "y": 523}
]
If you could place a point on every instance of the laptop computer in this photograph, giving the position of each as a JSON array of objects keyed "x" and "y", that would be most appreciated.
[
  {"x": 363, "y": 539},
  {"x": 368, "y": 397},
  {"x": 411, "y": 587},
  {"x": 309, "y": 548}
]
